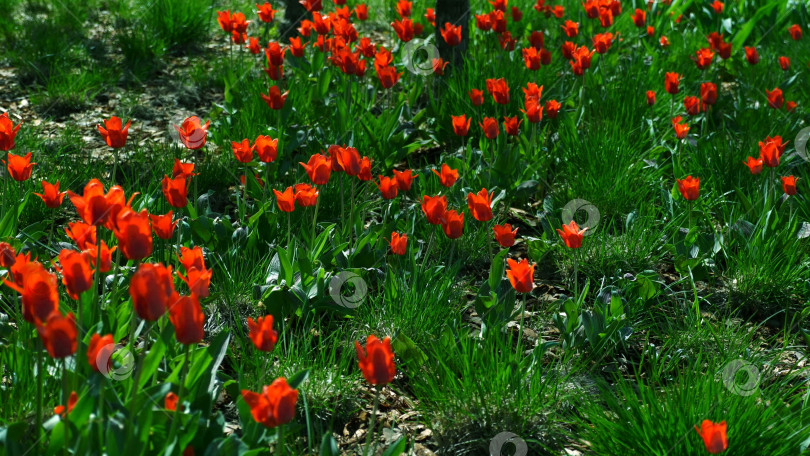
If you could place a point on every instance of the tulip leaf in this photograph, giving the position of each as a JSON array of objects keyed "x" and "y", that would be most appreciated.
[
  {"x": 397, "y": 448},
  {"x": 155, "y": 355},
  {"x": 296, "y": 380},
  {"x": 406, "y": 348},
  {"x": 739, "y": 39},
  {"x": 329, "y": 446},
  {"x": 496, "y": 269}
]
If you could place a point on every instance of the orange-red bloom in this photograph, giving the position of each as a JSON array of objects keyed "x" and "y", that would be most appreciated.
[
  {"x": 504, "y": 235},
  {"x": 708, "y": 93},
  {"x": 480, "y": 205},
  {"x": 572, "y": 235},
  {"x": 176, "y": 191},
  {"x": 106, "y": 255},
  {"x": 751, "y": 55},
  {"x": 286, "y": 200},
  {"x": 319, "y": 168},
  {"x": 461, "y": 125},
  {"x": 365, "y": 170},
  {"x": 266, "y": 12},
  {"x": 187, "y": 318},
  {"x": 388, "y": 187},
  {"x": 51, "y": 195},
  {"x": 7, "y": 132},
  {"x": 81, "y": 233},
  {"x": 163, "y": 225},
  {"x": 404, "y": 179},
  {"x": 775, "y": 98},
  {"x": 20, "y": 167},
  {"x": 72, "y": 400},
  {"x": 404, "y": 29},
  {"x": 520, "y": 275},
  {"x": 388, "y": 76},
  {"x": 602, "y": 42},
  {"x": 714, "y": 436},
  {"x": 640, "y": 18},
  {"x": 692, "y": 105},
  {"x": 717, "y": 6},
  {"x": 531, "y": 57},
  {"x": 451, "y": 34},
  {"x": 795, "y": 32},
  {"x": 58, "y": 334},
  {"x": 434, "y": 208},
  {"x": 37, "y": 286},
  {"x": 552, "y": 108},
  {"x": 274, "y": 98},
  {"x": 681, "y": 129},
  {"x": 266, "y": 148},
  {"x": 671, "y": 82},
  {"x": 134, "y": 234},
  {"x": 784, "y": 62},
  {"x": 398, "y": 243},
  {"x": 243, "y": 151},
  {"x": 261, "y": 333},
  {"x": 100, "y": 347},
  {"x": 499, "y": 89},
  {"x": 113, "y": 134},
  {"x": 7, "y": 255},
  {"x": 476, "y": 97},
  {"x": 76, "y": 273},
  {"x": 689, "y": 188},
  {"x": 376, "y": 361},
  {"x": 703, "y": 58},
  {"x": 571, "y": 28},
  {"x": 511, "y": 125},
  {"x": 533, "y": 111},
  {"x": 193, "y": 133},
  {"x": 789, "y": 185},
  {"x": 170, "y": 403},
  {"x": 453, "y": 224},
  {"x": 191, "y": 258},
  {"x": 305, "y": 195},
  {"x": 198, "y": 281},
  {"x": 650, "y": 97},
  {"x": 275, "y": 405},
  {"x": 151, "y": 289},
  {"x": 754, "y": 164},
  {"x": 447, "y": 176},
  {"x": 490, "y": 127}
]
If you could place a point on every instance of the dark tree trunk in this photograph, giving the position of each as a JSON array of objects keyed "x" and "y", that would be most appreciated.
[
  {"x": 294, "y": 13},
  {"x": 456, "y": 12}
]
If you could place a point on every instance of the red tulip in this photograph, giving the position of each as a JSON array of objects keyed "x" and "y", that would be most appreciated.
[
  {"x": 447, "y": 176},
  {"x": 784, "y": 62},
  {"x": 692, "y": 105},
  {"x": 434, "y": 208},
  {"x": 266, "y": 12},
  {"x": 275, "y": 99},
  {"x": 187, "y": 318},
  {"x": 789, "y": 185},
  {"x": 72, "y": 400},
  {"x": 689, "y": 188},
  {"x": 483, "y": 22},
  {"x": 451, "y": 34},
  {"x": 297, "y": 47},
  {"x": 572, "y": 235},
  {"x": 388, "y": 187},
  {"x": 7, "y": 255},
  {"x": 58, "y": 334},
  {"x": 7, "y": 132},
  {"x": 650, "y": 97},
  {"x": 453, "y": 224},
  {"x": 775, "y": 98},
  {"x": 305, "y": 195},
  {"x": 113, "y": 134},
  {"x": 639, "y": 18},
  {"x": 504, "y": 235},
  {"x": 511, "y": 125},
  {"x": 197, "y": 280},
  {"x": 717, "y": 6},
  {"x": 533, "y": 111},
  {"x": 262, "y": 334},
  {"x": 571, "y": 28},
  {"x": 76, "y": 273},
  {"x": 480, "y": 205},
  {"x": 490, "y": 127},
  {"x": 274, "y": 406},
  {"x": 404, "y": 179},
  {"x": 134, "y": 234},
  {"x": 795, "y": 32},
  {"x": 182, "y": 169},
  {"x": 286, "y": 200},
  {"x": 376, "y": 361},
  {"x": 708, "y": 93},
  {"x": 319, "y": 168},
  {"x": 537, "y": 39},
  {"x": 703, "y": 58},
  {"x": 552, "y": 108},
  {"x": 193, "y": 133},
  {"x": 714, "y": 436},
  {"x": 476, "y": 97},
  {"x": 520, "y": 275},
  {"x": 243, "y": 151},
  {"x": 681, "y": 129},
  {"x": 106, "y": 255},
  {"x": 81, "y": 233},
  {"x": 170, "y": 403},
  {"x": 176, "y": 191},
  {"x": 365, "y": 170},
  {"x": 20, "y": 167},
  {"x": 751, "y": 55},
  {"x": 602, "y": 42},
  {"x": 151, "y": 289},
  {"x": 398, "y": 243},
  {"x": 499, "y": 89},
  {"x": 100, "y": 347},
  {"x": 51, "y": 195},
  {"x": 163, "y": 225},
  {"x": 404, "y": 29},
  {"x": 755, "y": 165},
  {"x": 404, "y": 8},
  {"x": 191, "y": 258},
  {"x": 461, "y": 125},
  {"x": 671, "y": 82},
  {"x": 37, "y": 286}
]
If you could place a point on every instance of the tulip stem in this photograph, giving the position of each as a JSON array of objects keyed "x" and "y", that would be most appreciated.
[
  {"x": 66, "y": 394},
  {"x": 280, "y": 440},
  {"x": 576, "y": 274},
  {"x": 351, "y": 218},
  {"x": 179, "y": 409},
  {"x": 372, "y": 423},
  {"x": 690, "y": 215},
  {"x": 315, "y": 219},
  {"x": 289, "y": 230},
  {"x": 520, "y": 332},
  {"x": 38, "y": 399}
]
